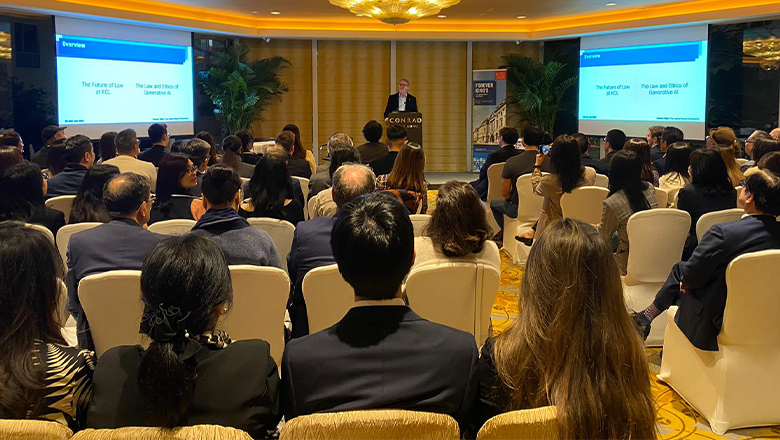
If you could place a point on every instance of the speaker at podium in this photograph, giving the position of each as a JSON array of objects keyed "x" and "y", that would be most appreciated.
[{"x": 412, "y": 121}]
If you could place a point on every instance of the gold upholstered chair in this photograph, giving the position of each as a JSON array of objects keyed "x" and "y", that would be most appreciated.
[
  {"x": 537, "y": 423},
  {"x": 197, "y": 432},
  {"x": 33, "y": 430},
  {"x": 383, "y": 424}
]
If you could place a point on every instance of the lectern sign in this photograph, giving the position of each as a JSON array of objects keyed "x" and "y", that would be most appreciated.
[{"x": 413, "y": 122}]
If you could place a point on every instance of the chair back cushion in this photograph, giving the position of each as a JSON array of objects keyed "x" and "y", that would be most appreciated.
[
  {"x": 419, "y": 222},
  {"x": 305, "y": 190},
  {"x": 656, "y": 239},
  {"x": 172, "y": 227},
  {"x": 197, "y": 432},
  {"x": 33, "y": 430},
  {"x": 529, "y": 204},
  {"x": 711, "y": 219},
  {"x": 527, "y": 424},
  {"x": 328, "y": 297},
  {"x": 602, "y": 181},
  {"x": 383, "y": 424},
  {"x": 662, "y": 197},
  {"x": 63, "y": 237},
  {"x": 494, "y": 181},
  {"x": 585, "y": 203},
  {"x": 281, "y": 232},
  {"x": 61, "y": 203}
]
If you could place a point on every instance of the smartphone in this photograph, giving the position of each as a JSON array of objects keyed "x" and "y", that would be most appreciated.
[{"x": 544, "y": 149}]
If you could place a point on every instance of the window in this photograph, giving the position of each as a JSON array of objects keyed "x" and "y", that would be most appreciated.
[{"x": 26, "y": 48}]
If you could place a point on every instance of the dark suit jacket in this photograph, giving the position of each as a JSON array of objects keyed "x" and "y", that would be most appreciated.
[
  {"x": 392, "y": 103},
  {"x": 153, "y": 155},
  {"x": 52, "y": 219},
  {"x": 237, "y": 386},
  {"x": 67, "y": 182},
  {"x": 597, "y": 165},
  {"x": 120, "y": 244},
  {"x": 310, "y": 249},
  {"x": 608, "y": 158},
  {"x": 319, "y": 182},
  {"x": 656, "y": 153},
  {"x": 498, "y": 156},
  {"x": 372, "y": 151},
  {"x": 298, "y": 167},
  {"x": 381, "y": 357},
  {"x": 695, "y": 202},
  {"x": 700, "y": 316},
  {"x": 384, "y": 165}
]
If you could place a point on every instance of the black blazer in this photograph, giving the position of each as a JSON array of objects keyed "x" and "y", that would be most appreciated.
[
  {"x": 298, "y": 167},
  {"x": 178, "y": 207},
  {"x": 153, "y": 155},
  {"x": 392, "y": 104},
  {"x": 696, "y": 203},
  {"x": 597, "y": 165},
  {"x": 52, "y": 219},
  {"x": 237, "y": 386},
  {"x": 67, "y": 182},
  {"x": 381, "y": 357},
  {"x": 700, "y": 316}
]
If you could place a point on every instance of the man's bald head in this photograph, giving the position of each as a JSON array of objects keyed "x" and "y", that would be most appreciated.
[
  {"x": 125, "y": 193},
  {"x": 351, "y": 181},
  {"x": 276, "y": 151},
  {"x": 775, "y": 134}
]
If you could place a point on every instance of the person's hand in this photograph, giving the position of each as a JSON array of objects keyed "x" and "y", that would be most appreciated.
[
  {"x": 387, "y": 119},
  {"x": 540, "y": 157}
]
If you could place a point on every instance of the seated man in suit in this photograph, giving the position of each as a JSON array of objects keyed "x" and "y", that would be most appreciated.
[
  {"x": 372, "y": 149},
  {"x": 297, "y": 167},
  {"x": 311, "y": 242},
  {"x": 613, "y": 143},
  {"x": 79, "y": 158},
  {"x": 396, "y": 139},
  {"x": 120, "y": 244},
  {"x": 159, "y": 137},
  {"x": 381, "y": 354},
  {"x": 507, "y": 138},
  {"x": 698, "y": 285},
  {"x": 653, "y": 137},
  {"x": 669, "y": 136},
  {"x": 401, "y": 101},
  {"x": 588, "y": 161},
  {"x": 321, "y": 180},
  {"x": 323, "y": 204}
]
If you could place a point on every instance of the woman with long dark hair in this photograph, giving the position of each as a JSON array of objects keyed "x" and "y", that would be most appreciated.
[
  {"x": 678, "y": 158},
  {"x": 42, "y": 378},
  {"x": 231, "y": 156},
  {"x": 107, "y": 146},
  {"x": 88, "y": 205},
  {"x": 22, "y": 188},
  {"x": 299, "y": 151},
  {"x": 573, "y": 346},
  {"x": 640, "y": 147},
  {"x": 628, "y": 194},
  {"x": 209, "y": 139},
  {"x": 9, "y": 156},
  {"x": 408, "y": 174},
  {"x": 175, "y": 177},
  {"x": 192, "y": 373},
  {"x": 268, "y": 191}
]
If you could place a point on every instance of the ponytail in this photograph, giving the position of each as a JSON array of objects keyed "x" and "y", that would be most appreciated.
[{"x": 166, "y": 383}]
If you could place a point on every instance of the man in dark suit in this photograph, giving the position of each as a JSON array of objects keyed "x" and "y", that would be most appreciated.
[
  {"x": 158, "y": 135},
  {"x": 49, "y": 135},
  {"x": 613, "y": 143},
  {"x": 507, "y": 139},
  {"x": 320, "y": 181},
  {"x": 588, "y": 161},
  {"x": 381, "y": 354},
  {"x": 311, "y": 242},
  {"x": 373, "y": 149},
  {"x": 401, "y": 101},
  {"x": 698, "y": 285},
  {"x": 79, "y": 158},
  {"x": 120, "y": 244},
  {"x": 296, "y": 167},
  {"x": 396, "y": 139},
  {"x": 669, "y": 136},
  {"x": 653, "y": 137}
]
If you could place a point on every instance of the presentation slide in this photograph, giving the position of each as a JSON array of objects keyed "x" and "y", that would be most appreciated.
[
  {"x": 632, "y": 87},
  {"x": 112, "y": 84}
]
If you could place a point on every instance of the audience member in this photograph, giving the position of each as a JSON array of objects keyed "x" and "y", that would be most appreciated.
[
  {"x": 670, "y": 136},
  {"x": 372, "y": 149},
  {"x": 119, "y": 244},
  {"x": 653, "y": 137},
  {"x": 199, "y": 152},
  {"x": 159, "y": 137},
  {"x": 628, "y": 194},
  {"x": 586, "y": 160},
  {"x": 88, "y": 206},
  {"x": 775, "y": 133},
  {"x": 311, "y": 242},
  {"x": 231, "y": 156},
  {"x": 269, "y": 192},
  {"x": 507, "y": 141},
  {"x": 79, "y": 158},
  {"x": 572, "y": 346},
  {"x": 175, "y": 178},
  {"x": 678, "y": 157},
  {"x": 22, "y": 188},
  {"x": 209, "y": 139},
  {"x": 9, "y": 156},
  {"x": 727, "y": 153},
  {"x": 296, "y": 167},
  {"x": 515, "y": 167},
  {"x": 56, "y": 157},
  {"x": 127, "y": 151},
  {"x": 49, "y": 135},
  {"x": 710, "y": 190},
  {"x": 322, "y": 179},
  {"x": 770, "y": 162},
  {"x": 698, "y": 286},
  {"x": 107, "y": 147},
  {"x": 298, "y": 150},
  {"x": 42, "y": 377},
  {"x": 613, "y": 142},
  {"x": 458, "y": 230},
  {"x": 724, "y": 136},
  {"x": 750, "y": 143},
  {"x": 408, "y": 174},
  {"x": 323, "y": 204},
  {"x": 649, "y": 174},
  {"x": 373, "y": 357},
  {"x": 12, "y": 139},
  {"x": 247, "y": 144},
  {"x": 192, "y": 373},
  {"x": 396, "y": 139},
  {"x": 762, "y": 148}
]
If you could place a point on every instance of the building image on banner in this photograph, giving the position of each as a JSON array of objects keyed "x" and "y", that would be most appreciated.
[{"x": 488, "y": 113}]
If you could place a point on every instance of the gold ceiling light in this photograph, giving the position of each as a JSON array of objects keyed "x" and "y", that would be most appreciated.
[{"x": 395, "y": 11}]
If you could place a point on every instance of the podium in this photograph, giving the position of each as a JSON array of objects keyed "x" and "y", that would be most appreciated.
[{"x": 412, "y": 121}]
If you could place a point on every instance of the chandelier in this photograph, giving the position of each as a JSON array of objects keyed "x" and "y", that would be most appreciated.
[{"x": 395, "y": 11}]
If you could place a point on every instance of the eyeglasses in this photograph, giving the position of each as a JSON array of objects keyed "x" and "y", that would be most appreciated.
[
  {"x": 193, "y": 169},
  {"x": 152, "y": 198}
]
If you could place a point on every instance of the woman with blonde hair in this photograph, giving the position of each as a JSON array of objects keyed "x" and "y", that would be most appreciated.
[
  {"x": 408, "y": 174},
  {"x": 727, "y": 153},
  {"x": 573, "y": 346}
]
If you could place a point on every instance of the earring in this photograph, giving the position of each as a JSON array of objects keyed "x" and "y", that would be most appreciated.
[{"x": 225, "y": 309}]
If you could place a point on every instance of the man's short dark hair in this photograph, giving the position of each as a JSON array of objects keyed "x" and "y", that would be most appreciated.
[
  {"x": 582, "y": 142},
  {"x": 351, "y": 181},
  {"x": 76, "y": 147},
  {"x": 616, "y": 139},
  {"x": 533, "y": 135},
  {"x": 510, "y": 135},
  {"x": 156, "y": 132},
  {"x": 342, "y": 155},
  {"x": 656, "y": 131},
  {"x": 247, "y": 139},
  {"x": 286, "y": 139},
  {"x": 373, "y": 243},
  {"x": 672, "y": 135},
  {"x": 764, "y": 185},
  {"x": 125, "y": 141},
  {"x": 220, "y": 184},
  {"x": 196, "y": 149},
  {"x": 372, "y": 131},
  {"x": 125, "y": 193},
  {"x": 396, "y": 132}
]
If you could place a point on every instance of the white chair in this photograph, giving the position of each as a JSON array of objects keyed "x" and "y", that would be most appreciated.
[
  {"x": 260, "y": 297},
  {"x": 172, "y": 227},
  {"x": 468, "y": 290},
  {"x": 328, "y": 297},
  {"x": 739, "y": 191},
  {"x": 113, "y": 306},
  {"x": 305, "y": 188},
  {"x": 42, "y": 229},
  {"x": 281, "y": 232},
  {"x": 672, "y": 200},
  {"x": 662, "y": 197},
  {"x": 585, "y": 203},
  {"x": 419, "y": 222},
  {"x": 310, "y": 208},
  {"x": 741, "y": 161},
  {"x": 528, "y": 210},
  {"x": 494, "y": 191},
  {"x": 656, "y": 238},
  {"x": 601, "y": 181},
  {"x": 711, "y": 219},
  {"x": 62, "y": 204},
  {"x": 64, "y": 234},
  {"x": 736, "y": 386}
]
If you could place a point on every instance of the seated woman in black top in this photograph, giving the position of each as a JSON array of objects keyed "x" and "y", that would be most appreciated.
[
  {"x": 22, "y": 188},
  {"x": 88, "y": 205},
  {"x": 175, "y": 177},
  {"x": 573, "y": 344},
  {"x": 268, "y": 191},
  {"x": 710, "y": 190},
  {"x": 191, "y": 373}
]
